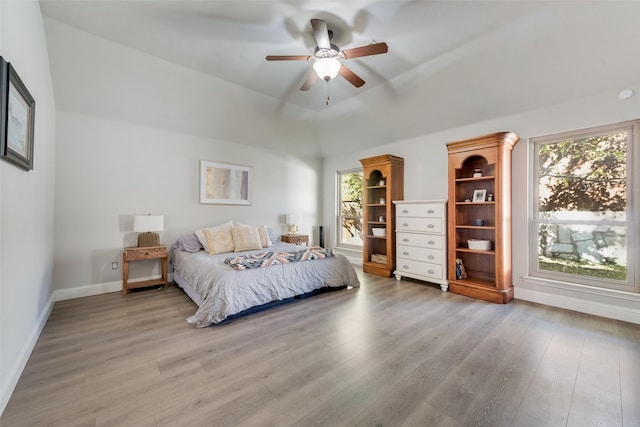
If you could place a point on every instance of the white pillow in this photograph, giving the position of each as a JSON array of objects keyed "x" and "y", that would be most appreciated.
[
  {"x": 203, "y": 239},
  {"x": 246, "y": 238},
  {"x": 265, "y": 241}
]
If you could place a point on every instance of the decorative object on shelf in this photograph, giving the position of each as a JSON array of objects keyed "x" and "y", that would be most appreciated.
[
  {"x": 490, "y": 197},
  {"x": 147, "y": 226},
  {"x": 379, "y": 232},
  {"x": 479, "y": 195},
  {"x": 461, "y": 273},
  {"x": 293, "y": 220},
  {"x": 377, "y": 203},
  {"x": 485, "y": 250},
  {"x": 479, "y": 222},
  {"x": 17, "y": 111},
  {"x": 379, "y": 258},
  {"x": 479, "y": 244},
  {"x": 477, "y": 173},
  {"x": 222, "y": 183},
  {"x": 381, "y": 219}
]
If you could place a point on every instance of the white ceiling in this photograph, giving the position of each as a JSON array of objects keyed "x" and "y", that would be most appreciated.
[{"x": 450, "y": 63}]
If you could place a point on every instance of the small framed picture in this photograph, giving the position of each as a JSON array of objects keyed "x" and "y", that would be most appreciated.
[{"x": 479, "y": 195}]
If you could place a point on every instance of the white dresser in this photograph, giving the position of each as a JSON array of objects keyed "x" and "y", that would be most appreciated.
[{"x": 421, "y": 241}]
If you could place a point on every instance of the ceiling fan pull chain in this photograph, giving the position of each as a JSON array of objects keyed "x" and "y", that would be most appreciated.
[{"x": 327, "y": 94}]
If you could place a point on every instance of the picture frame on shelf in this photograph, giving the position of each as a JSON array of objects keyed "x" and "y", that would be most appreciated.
[
  {"x": 17, "y": 118},
  {"x": 223, "y": 183},
  {"x": 479, "y": 195}
]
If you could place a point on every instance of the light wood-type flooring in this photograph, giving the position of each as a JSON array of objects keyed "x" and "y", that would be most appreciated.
[{"x": 387, "y": 354}]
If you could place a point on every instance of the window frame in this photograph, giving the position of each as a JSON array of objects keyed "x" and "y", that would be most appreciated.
[
  {"x": 338, "y": 211},
  {"x": 631, "y": 222}
]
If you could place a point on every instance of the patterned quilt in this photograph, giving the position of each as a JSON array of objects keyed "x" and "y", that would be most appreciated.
[{"x": 265, "y": 259}]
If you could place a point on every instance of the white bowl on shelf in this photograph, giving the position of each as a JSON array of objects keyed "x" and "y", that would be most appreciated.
[
  {"x": 379, "y": 232},
  {"x": 479, "y": 245}
]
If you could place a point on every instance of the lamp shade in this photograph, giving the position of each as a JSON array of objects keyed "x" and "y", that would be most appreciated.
[
  {"x": 145, "y": 223},
  {"x": 327, "y": 68},
  {"x": 294, "y": 219}
]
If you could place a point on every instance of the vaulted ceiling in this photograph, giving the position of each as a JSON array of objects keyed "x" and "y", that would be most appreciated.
[{"x": 450, "y": 63}]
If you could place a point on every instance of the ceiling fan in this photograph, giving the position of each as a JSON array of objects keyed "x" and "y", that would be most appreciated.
[{"x": 327, "y": 56}]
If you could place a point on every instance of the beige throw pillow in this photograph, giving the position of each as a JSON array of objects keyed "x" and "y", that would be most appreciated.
[
  {"x": 219, "y": 240},
  {"x": 223, "y": 241},
  {"x": 246, "y": 238},
  {"x": 265, "y": 241}
]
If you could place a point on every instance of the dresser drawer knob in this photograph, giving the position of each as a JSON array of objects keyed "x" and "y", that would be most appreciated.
[
  {"x": 405, "y": 253},
  {"x": 431, "y": 242},
  {"x": 406, "y": 267},
  {"x": 431, "y": 272},
  {"x": 405, "y": 224},
  {"x": 405, "y": 240},
  {"x": 405, "y": 211},
  {"x": 430, "y": 226},
  {"x": 431, "y": 211},
  {"x": 431, "y": 257}
]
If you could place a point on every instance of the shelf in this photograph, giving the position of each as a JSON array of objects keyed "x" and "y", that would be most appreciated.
[
  {"x": 475, "y": 251},
  {"x": 373, "y": 187},
  {"x": 371, "y": 236},
  {"x": 482, "y": 178},
  {"x": 376, "y": 223},
  {"x": 475, "y": 203},
  {"x": 476, "y": 227},
  {"x": 373, "y": 205}
]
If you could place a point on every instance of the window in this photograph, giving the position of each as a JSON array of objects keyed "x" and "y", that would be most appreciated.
[
  {"x": 349, "y": 215},
  {"x": 583, "y": 221}
]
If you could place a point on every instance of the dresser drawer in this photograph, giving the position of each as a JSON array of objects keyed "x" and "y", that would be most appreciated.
[
  {"x": 151, "y": 252},
  {"x": 420, "y": 254},
  {"x": 426, "y": 210},
  {"x": 420, "y": 268},
  {"x": 432, "y": 225},
  {"x": 422, "y": 240}
]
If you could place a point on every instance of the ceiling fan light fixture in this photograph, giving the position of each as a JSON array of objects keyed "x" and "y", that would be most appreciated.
[{"x": 327, "y": 68}]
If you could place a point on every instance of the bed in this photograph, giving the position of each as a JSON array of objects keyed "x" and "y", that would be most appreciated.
[{"x": 221, "y": 291}]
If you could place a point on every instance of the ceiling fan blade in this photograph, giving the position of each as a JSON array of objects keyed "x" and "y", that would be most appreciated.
[
  {"x": 372, "y": 49},
  {"x": 350, "y": 76},
  {"x": 321, "y": 33},
  {"x": 289, "y": 57},
  {"x": 309, "y": 81}
]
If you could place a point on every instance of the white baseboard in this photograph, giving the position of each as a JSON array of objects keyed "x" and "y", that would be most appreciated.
[{"x": 626, "y": 314}]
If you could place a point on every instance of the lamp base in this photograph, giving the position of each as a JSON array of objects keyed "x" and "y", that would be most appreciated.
[
  {"x": 293, "y": 229},
  {"x": 148, "y": 239}
]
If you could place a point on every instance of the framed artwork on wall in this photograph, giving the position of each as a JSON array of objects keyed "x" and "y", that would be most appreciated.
[
  {"x": 17, "y": 111},
  {"x": 223, "y": 183}
]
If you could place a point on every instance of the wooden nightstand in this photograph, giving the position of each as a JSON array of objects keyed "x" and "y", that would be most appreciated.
[
  {"x": 297, "y": 239},
  {"x": 136, "y": 253}
]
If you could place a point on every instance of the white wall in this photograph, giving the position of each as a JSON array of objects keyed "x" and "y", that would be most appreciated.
[
  {"x": 426, "y": 178},
  {"x": 108, "y": 171},
  {"x": 26, "y": 201}
]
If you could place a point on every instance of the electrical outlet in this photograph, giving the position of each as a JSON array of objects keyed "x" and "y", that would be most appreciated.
[{"x": 114, "y": 265}]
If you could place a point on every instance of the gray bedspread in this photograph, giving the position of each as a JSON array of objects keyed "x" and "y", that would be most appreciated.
[{"x": 224, "y": 291}]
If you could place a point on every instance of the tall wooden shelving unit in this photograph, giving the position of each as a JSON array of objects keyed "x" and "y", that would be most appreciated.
[
  {"x": 383, "y": 178},
  {"x": 488, "y": 271}
]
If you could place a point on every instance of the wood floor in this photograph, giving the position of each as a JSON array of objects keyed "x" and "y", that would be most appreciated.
[{"x": 387, "y": 354}]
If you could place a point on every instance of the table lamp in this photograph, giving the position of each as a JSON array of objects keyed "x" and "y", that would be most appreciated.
[
  {"x": 147, "y": 225},
  {"x": 293, "y": 220}
]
